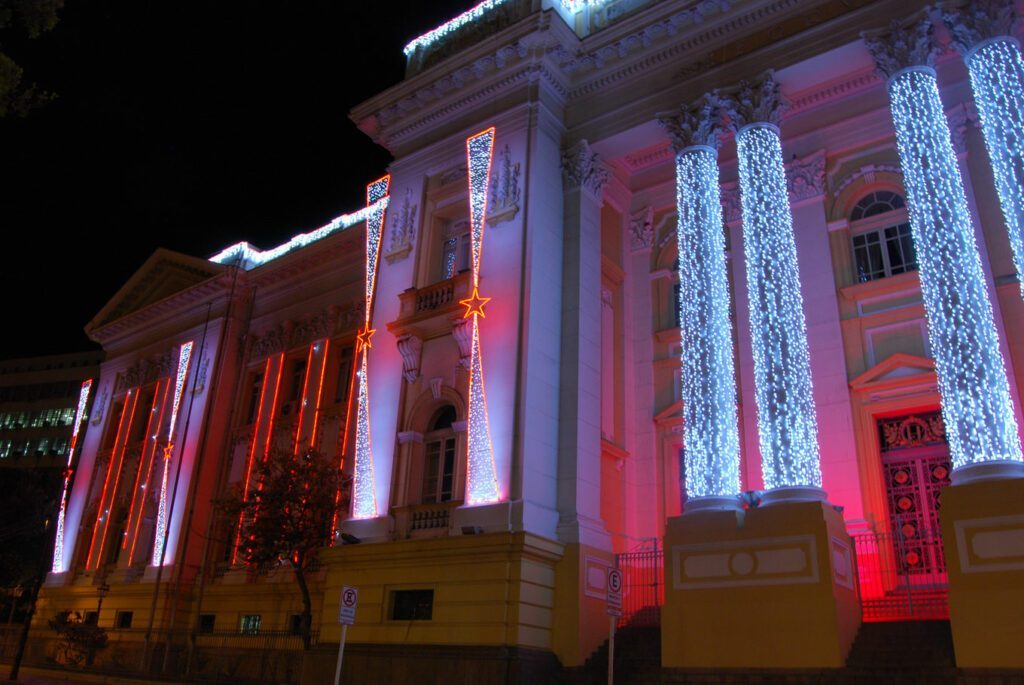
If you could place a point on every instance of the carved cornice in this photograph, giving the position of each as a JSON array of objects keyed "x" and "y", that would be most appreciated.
[
  {"x": 582, "y": 168},
  {"x": 979, "y": 20},
  {"x": 699, "y": 123},
  {"x": 902, "y": 45},
  {"x": 755, "y": 102}
]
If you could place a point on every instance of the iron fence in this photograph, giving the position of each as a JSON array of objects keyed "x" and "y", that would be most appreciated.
[
  {"x": 902, "y": 575},
  {"x": 643, "y": 587}
]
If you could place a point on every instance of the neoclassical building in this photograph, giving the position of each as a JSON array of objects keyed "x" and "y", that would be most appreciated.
[{"x": 632, "y": 260}]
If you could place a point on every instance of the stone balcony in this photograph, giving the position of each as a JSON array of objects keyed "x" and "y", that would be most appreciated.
[{"x": 428, "y": 312}]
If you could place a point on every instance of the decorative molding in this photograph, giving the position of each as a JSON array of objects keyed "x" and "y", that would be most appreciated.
[
  {"x": 805, "y": 178},
  {"x": 411, "y": 349},
  {"x": 204, "y": 370},
  {"x": 99, "y": 406},
  {"x": 308, "y": 330},
  {"x": 146, "y": 371},
  {"x": 462, "y": 331},
  {"x": 405, "y": 437},
  {"x": 979, "y": 20},
  {"x": 902, "y": 45},
  {"x": 403, "y": 229},
  {"x": 583, "y": 169},
  {"x": 268, "y": 343},
  {"x": 755, "y": 102},
  {"x": 916, "y": 430},
  {"x": 641, "y": 230},
  {"x": 867, "y": 172},
  {"x": 745, "y": 563},
  {"x": 436, "y": 383},
  {"x": 699, "y": 123},
  {"x": 504, "y": 201},
  {"x": 988, "y": 545}
]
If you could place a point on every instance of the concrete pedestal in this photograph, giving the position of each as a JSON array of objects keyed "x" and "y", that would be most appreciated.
[
  {"x": 772, "y": 587},
  {"x": 983, "y": 535}
]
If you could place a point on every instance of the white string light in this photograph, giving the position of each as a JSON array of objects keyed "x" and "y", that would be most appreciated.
[
  {"x": 976, "y": 404},
  {"x": 710, "y": 431},
  {"x": 248, "y": 257},
  {"x": 997, "y": 78},
  {"x": 451, "y": 26},
  {"x": 184, "y": 356},
  {"x": 364, "y": 496},
  {"x": 481, "y": 476},
  {"x": 58, "y": 549},
  {"x": 782, "y": 367}
]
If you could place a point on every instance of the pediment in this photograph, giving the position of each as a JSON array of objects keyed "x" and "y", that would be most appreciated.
[
  {"x": 898, "y": 368},
  {"x": 670, "y": 414},
  {"x": 164, "y": 274}
]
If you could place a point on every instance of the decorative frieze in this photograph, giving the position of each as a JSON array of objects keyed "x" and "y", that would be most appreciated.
[
  {"x": 582, "y": 168},
  {"x": 504, "y": 200},
  {"x": 917, "y": 430},
  {"x": 641, "y": 230},
  {"x": 309, "y": 330},
  {"x": 805, "y": 178},
  {"x": 146, "y": 371},
  {"x": 268, "y": 343},
  {"x": 403, "y": 229}
]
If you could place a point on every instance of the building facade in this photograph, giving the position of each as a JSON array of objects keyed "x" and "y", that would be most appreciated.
[{"x": 528, "y": 236}]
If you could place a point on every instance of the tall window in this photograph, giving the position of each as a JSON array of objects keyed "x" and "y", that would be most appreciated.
[
  {"x": 455, "y": 246},
  {"x": 882, "y": 244},
  {"x": 254, "y": 398},
  {"x": 341, "y": 389},
  {"x": 440, "y": 459}
]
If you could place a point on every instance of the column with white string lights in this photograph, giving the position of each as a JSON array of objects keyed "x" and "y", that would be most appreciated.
[
  {"x": 184, "y": 357},
  {"x": 787, "y": 424},
  {"x": 364, "y": 496},
  {"x": 58, "y": 547},
  {"x": 976, "y": 404},
  {"x": 710, "y": 431},
  {"x": 981, "y": 31}
]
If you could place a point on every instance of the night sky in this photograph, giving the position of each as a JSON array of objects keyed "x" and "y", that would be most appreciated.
[{"x": 188, "y": 126}]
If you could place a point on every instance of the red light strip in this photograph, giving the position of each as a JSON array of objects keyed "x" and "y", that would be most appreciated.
[
  {"x": 119, "y": 450},
  {"x": 303, "y": 397},
  {"x": 319, "y": 392},
  {"x": 148, "y": 446},
  {"x": 148, "y": 470}
]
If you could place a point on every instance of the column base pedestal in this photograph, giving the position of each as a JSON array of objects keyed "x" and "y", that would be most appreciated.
[
  {"x": 767, "y": 588},
  {"x": 983, "y": 536},
  {"x": 485, "y": 518}
]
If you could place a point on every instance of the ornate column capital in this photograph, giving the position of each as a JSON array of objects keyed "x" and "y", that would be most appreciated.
[
  {"x": 699, "y": 123},
  {"x": 755, "y": 102},
  {"x": 582, "y": 169},
  {"x": 901, "y": 45},
  {"x": 979, "y": 20}
]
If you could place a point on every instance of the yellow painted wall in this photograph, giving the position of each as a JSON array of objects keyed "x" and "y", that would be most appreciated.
[
  {"x": 759, "y": 590},
  {"x": 980, "y": 524}
]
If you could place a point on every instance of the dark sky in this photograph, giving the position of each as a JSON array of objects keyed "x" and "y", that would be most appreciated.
[{"x": 186, "y": 125}]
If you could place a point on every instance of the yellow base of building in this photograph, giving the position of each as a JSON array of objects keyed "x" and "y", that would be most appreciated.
[
  {"x": 983, "y": 535},
  {"x": 773, "y": 587}
]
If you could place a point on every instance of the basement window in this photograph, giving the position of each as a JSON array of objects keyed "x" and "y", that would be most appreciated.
[
  {"x": 412, "y": 605},
  {"x": 123, "y": 620}
]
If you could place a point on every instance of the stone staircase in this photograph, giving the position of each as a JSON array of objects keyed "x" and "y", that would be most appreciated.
[{"x": 892, "y": 653}]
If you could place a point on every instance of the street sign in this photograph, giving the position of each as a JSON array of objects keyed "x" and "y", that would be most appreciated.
[
  {"x": 614, "y": 592},
  {"x": 347, "y": 607}
]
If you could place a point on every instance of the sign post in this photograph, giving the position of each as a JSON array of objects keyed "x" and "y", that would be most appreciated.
[
  {"x": 346, "y": 617},
  {"x": 614, "y": 612}
]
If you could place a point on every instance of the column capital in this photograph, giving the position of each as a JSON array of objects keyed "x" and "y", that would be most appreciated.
[
  {"x": 698, "y": 123},
  {"x": 978, "y": 21},
  {"x": 755, "y": 102},
  {"x": 902, "y": 45},
  {"x": 582, "y": 169}
]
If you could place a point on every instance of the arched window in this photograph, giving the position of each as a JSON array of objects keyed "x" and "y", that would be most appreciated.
[
  {"x": 882, "y": 242},
  {"x": 440, "y": 458}
]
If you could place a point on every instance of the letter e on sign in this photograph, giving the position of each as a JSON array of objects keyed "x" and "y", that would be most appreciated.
[
  {"x": 614, "y": 592},
  {"x": 347, "y": 606}
]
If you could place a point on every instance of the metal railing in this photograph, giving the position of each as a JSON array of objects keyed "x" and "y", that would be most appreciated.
[
  {"x": 643, "y": 587},
  {"x": 902, "y": 575}
]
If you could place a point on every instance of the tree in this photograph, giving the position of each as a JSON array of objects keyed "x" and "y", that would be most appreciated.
[
  {"x": 79, "y": 639},
  {"x": 289, "y": 515},
  {"x": 31, "y": 18}
]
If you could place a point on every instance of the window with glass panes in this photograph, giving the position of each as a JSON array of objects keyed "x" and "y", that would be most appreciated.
[
  {"x": 455, "y": 248},
  {"x": 886, "y": 251},
  {"x": 439, "y": 465}
]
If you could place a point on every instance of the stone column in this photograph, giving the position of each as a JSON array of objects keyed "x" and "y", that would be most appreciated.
[
  {"x": 976, "y": 404},
  {"x": 579, "y": 462},
  {"x": 710, "y": 431},
  {"x": 787, "y": 425},
  {"x": 981, "y": 33},
  {"x": 982, "y": 512}
]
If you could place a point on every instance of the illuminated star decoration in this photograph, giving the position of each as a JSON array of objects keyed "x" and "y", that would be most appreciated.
[
  {"x": 58, "y": 549},
  {"x": 161, "y": 516},
  {"x": 474, "y": 304},
  {"x": 976, "y": 404},
  {"x": 481, "y": 476},
  {"x": 364, "y": 496}
]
